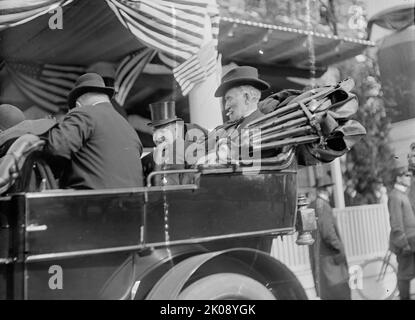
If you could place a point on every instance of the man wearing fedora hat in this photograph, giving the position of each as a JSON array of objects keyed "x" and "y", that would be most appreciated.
[
  {"x": 402, "y": 233},
  {"x": 102, "y": 148},
  {"x": 240, "y": 89},
  {"x": 327, "y": 254}
]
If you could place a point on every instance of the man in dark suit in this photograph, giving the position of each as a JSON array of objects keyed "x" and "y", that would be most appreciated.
[
  {"x": 327, "y": 254},
  {"x": 102, "y": 149},
  {"x": 402, "y": 234}
]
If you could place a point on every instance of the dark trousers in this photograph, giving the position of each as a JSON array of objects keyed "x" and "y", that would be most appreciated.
[{"x": 403, "y": 286}]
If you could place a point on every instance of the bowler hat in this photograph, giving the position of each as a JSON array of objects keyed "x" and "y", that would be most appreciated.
[
  {"x": 10, "y": 116},
  {"x": 163, "y": 113},
  {"x": 88, "y": 82},
  {"x": 240, "y": 76},
  {"x": 323, "y": 181}
]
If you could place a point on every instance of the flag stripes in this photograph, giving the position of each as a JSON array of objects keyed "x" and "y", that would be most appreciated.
[
  {"x": 176, "y": 29},
  {"x": 46, "y": 85},
  {"x": 128, "y": 71},
  {"x": 16, "y": 12}
]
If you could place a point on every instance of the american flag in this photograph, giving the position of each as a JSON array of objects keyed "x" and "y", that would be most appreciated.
[
  {"x": 45, "y": 85},
  {"x": 48, "y": 85},
  {"x": 177, "y": 29},
  {"x": 16, "y": 12}
]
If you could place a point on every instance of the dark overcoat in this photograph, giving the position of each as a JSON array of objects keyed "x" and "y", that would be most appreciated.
[
  {"x": 402, "y": 222},
  {"x": 103, "y": 149},
  {"x": 327, "y": 256}
]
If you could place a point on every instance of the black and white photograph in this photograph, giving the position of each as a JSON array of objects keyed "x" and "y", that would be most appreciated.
[{"x": 207, "y": 150}]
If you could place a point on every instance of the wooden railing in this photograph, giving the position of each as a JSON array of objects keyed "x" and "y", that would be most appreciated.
[{"x": 363, "y": 229}]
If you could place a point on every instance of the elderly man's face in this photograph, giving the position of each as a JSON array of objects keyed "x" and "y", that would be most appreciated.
[
  {"x": 236, "y": 104},
  {"x": 165, "y": 133}
]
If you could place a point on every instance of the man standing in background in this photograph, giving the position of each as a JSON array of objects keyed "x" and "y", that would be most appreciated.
[
  {"x": 327, "y": 254},
  {"x": 411, "y": 167},
  {"x": 402, "y": 234}
]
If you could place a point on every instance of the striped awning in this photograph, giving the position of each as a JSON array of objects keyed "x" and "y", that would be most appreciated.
[
  {"x": 16, "y": 12},
  {"x": 177, "y": 29}
]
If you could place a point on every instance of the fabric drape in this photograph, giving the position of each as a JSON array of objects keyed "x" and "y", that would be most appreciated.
[
  {"x": 48, "y": 85},
  {"x": 16, "y": 12},
  {"x": 176, "y": 29}
]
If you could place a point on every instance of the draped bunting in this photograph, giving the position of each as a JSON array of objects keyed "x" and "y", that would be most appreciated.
[
  {"x": 48, "y": 85},
  {"x": 128, "y": 71},
  {"x": 15, "y": 12},
  {"x": 177, "y": 29}
]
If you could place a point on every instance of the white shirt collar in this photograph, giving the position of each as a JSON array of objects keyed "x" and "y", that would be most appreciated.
[
  {"x": 324, "y": 196},
  {"x": 400, "y": 187}
]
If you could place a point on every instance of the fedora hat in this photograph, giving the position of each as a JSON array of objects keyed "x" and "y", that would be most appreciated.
[
  {"x": 240, "y": 76},
  {"x": 10, "y": 116},
  {"x": 323, "y": 181},
  {"x": 88, "y": 82},
  {"x": 163, "y": 113}
]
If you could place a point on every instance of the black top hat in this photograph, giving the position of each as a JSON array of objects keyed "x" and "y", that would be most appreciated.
[
  {"x": 323, "y": 181},
  {"x": 240, "y": 76},
  {"x": 163, "y": 113},
  {"x": 88, "y": 82}
]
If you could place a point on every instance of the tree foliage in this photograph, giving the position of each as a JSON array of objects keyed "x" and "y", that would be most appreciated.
[{"x": 372, "y": 158}]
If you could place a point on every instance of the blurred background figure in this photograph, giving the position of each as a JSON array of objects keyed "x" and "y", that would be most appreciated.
[
  {"x": 411, "y": 167},
  {"x": 378, "y": 192},
  {"x": 402, "y": 234},
  {"x": 327, "y": 254}
]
